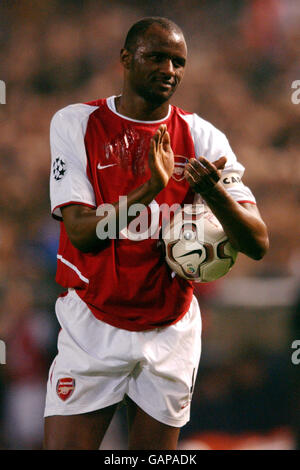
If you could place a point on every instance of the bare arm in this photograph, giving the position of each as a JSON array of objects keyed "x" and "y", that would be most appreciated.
[
  {"x": 242, "y": 222},
  {"x": 81, "y": 221}
]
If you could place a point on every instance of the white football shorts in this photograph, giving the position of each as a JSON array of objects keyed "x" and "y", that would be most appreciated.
[{"x": 98, "y": 364}]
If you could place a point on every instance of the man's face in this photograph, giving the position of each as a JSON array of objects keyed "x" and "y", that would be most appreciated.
[{"x": 157, "y": 64}]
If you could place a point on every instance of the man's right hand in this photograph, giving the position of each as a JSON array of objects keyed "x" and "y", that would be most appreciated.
[{"x": 161, "y": 158}]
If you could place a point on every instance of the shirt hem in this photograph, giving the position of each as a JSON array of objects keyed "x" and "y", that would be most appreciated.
[
  {"x": 128, "y": 325},
  {"x": 63, "y": 204},
  {"x": 250, "y": 202},
  {"x": 76, "y": 410},
  {"x": 176, "y": 422}
]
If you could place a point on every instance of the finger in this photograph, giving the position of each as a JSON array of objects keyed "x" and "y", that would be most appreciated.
[
  {"x": 166, "y": 140},
  {"x": 162, "y": 136},
  {"x": 156, "y": 138},
  {"x": 198, "y": 164},
  {"x": 196, "y": 167},
  {"x": 190, "y": 180},
  {"x": 212, "y": 170},
  {"x": 158, "y": 135},
  {"x": 203, "y": 170},
  {"x": 191, "y": 172},
  {"x": 152, "y": 146},
  {"x": 205, "y": 163},
  {"x": 157, "y": 142},
  {"x": 162, "y": 129},
  {"x": 220, "y": 163}
]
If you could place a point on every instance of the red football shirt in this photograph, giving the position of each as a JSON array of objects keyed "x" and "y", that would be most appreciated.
[{"x": 99, "y": 155}]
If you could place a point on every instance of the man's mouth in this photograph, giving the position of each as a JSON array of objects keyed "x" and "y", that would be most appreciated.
[{"x": 166, "y": 84}]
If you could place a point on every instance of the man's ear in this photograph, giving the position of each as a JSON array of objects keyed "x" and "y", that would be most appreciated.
[{"x": 125, "y": 57}]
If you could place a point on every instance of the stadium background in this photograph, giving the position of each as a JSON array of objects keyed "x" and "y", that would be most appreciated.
[{"x": 243, "y": 58}]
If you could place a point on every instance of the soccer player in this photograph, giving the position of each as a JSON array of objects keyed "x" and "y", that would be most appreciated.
[{"x": 130, "y": 328}]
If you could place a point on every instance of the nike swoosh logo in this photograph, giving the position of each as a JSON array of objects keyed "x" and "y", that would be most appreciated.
[
  {"x": 101, "y": 167},
  {"x": 193, "y": 252}
]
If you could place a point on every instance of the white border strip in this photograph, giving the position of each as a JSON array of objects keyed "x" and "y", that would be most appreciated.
[{"x": 70, "y": 265}]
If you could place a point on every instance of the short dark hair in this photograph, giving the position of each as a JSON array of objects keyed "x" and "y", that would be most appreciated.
[{"x": 139, "y": 28}]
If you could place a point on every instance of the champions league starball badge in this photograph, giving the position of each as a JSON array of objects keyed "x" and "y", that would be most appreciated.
[{"x": 59, "y": 168}]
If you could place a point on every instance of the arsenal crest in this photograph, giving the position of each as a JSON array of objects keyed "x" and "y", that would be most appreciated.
[
  {"x": 65, "y": 387},
  {"x": 179, "y": 164}
]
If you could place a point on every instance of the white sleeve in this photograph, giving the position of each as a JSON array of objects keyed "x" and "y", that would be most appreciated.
[
  {"x": 212, "y": 144},
  {"x": 69, "y": 182}
]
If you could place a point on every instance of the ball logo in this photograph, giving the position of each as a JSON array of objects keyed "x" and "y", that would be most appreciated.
[
  {"x": 179, "y": 165},
  {"x": 65, "y": 387},
  {"x": 190, "y": 269}
]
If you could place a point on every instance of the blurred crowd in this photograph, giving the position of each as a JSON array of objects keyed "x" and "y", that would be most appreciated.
[{"x": 243, "y": 57}]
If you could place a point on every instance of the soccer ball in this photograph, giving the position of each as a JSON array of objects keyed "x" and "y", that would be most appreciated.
[{"x": 196, "y": 245}]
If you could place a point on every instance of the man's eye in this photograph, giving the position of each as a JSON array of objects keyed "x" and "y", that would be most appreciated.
[
  {"x": 157, "y": 57},
  {"x": 178, "y": 63},
  {"x": 160, "y": 58}
]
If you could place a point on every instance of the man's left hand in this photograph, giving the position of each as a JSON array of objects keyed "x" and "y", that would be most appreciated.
[{"x": 202, "y": 175}]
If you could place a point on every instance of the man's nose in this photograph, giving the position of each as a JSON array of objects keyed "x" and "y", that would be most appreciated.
[{"x": 167, "y": 67}]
